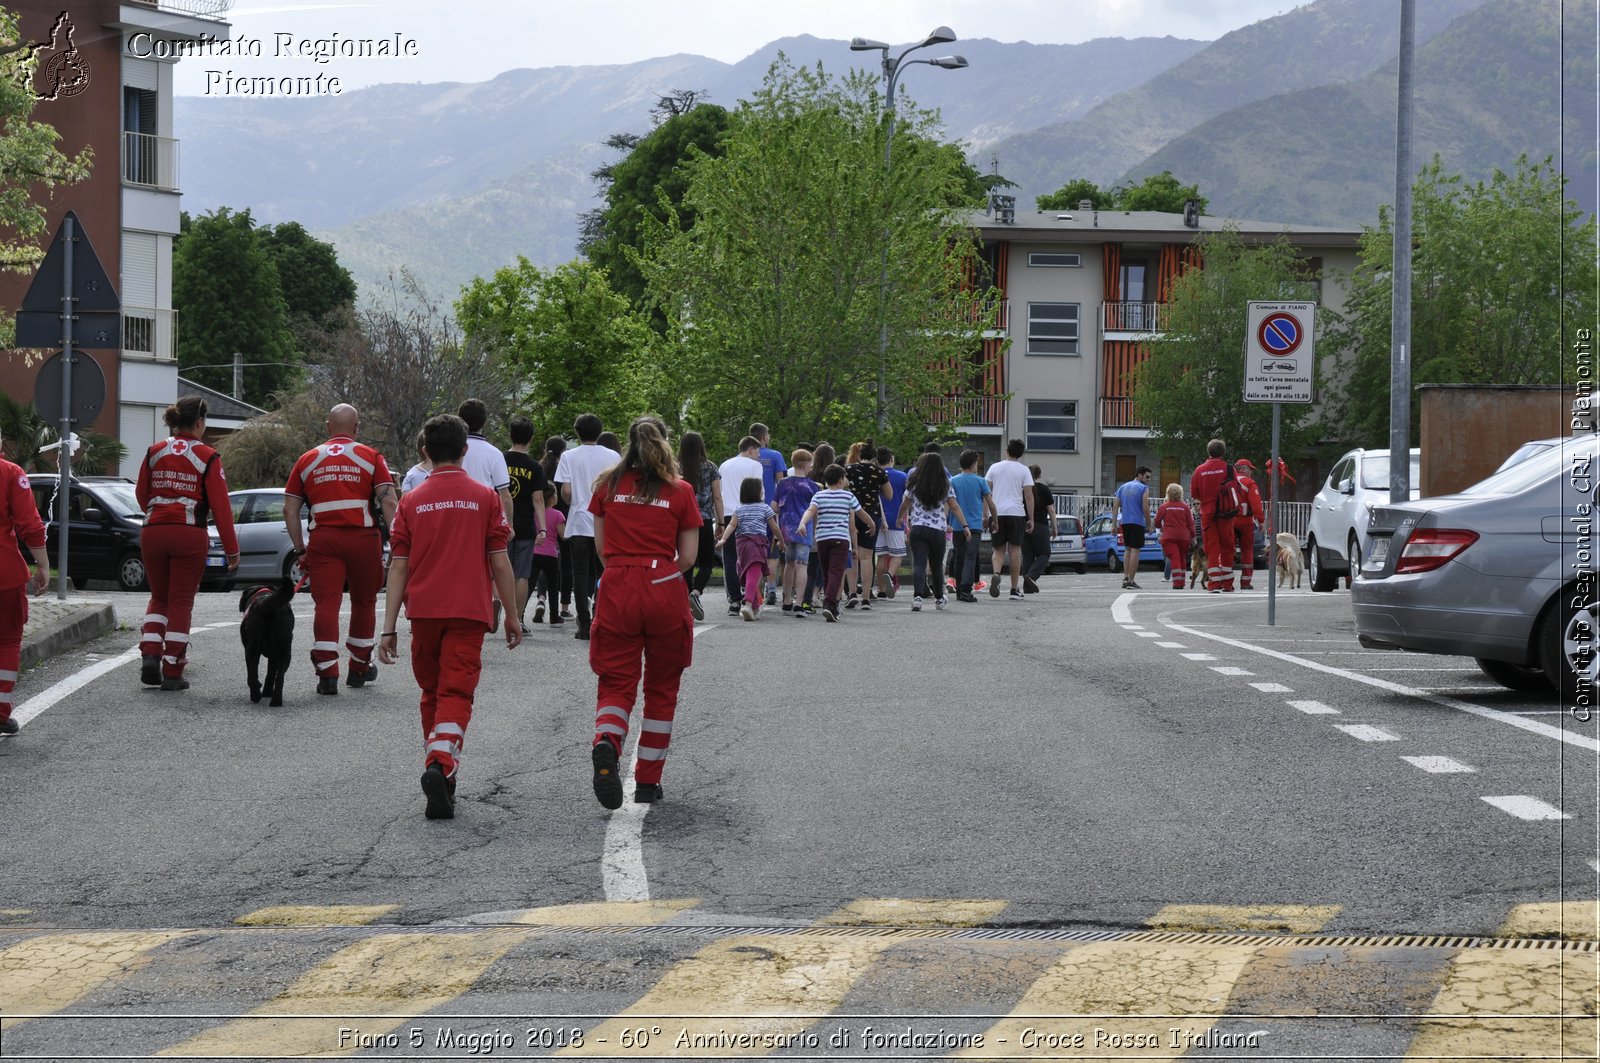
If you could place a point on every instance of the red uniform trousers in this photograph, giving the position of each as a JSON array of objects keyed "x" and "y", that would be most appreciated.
[
  {"x": 1177, "y": 551},
  {"x": 13, "y": 615},
  {"x": 1244, "y": 529},
  {"x": 642, "y": 617},
  {"x": 446, "y": 658},
  {"x": 335, "y": 557},
  {"x": 174, "y": 561},
  {"x": 1218, "y": 538}
]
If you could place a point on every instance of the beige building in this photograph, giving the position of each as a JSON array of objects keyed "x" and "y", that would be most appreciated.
[{"x": 1083, "y": 294}]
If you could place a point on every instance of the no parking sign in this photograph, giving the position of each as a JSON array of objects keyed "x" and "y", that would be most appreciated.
[{"x": 1279, "y": 353}]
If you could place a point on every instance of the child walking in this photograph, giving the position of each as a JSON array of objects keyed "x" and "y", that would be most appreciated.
[
  {"x": 832, "y": 518},
  {"x": 927, "y": 498},
  {"x": 647, "y": 529},
  {"x": 791, "y": 499},
  {"x": 756, "y": 526},
  {"x": 547, "y": 553},
  {"x": 448, "y": 546}
]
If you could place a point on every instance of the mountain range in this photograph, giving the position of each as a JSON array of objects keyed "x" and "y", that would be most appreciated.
[{"x": 1289, "y": 118}]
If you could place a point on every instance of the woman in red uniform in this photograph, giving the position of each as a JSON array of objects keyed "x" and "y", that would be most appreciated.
[
  {"x": 647, "y": 531},
  {"x": 19, "y": 522},
  {"x": 180, "y": 486}
]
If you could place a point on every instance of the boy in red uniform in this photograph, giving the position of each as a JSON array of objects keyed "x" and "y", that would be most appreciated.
[
  {"x": 1244, "y": 525},
  {"x": 1217, "y": 536},
  {"x": 19, "y": 522},
  {"x": 448, "y": 541},
  {"x": 647, "y": 530}
]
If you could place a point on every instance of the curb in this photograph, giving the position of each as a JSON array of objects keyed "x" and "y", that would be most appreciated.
[{"x": 83, "y": 625}]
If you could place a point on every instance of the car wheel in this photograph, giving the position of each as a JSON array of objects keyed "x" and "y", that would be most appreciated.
[
  {"x": 1080, "y": 569},
  {"x": 1352, "y": 553},
  {"x": 292, "y": 569},
  {"x": 130, "y": 573},
  {"x": 80, "y": 582},
  {"x": 1112, "y": 564},
  {"x": 1515, "y": 676},
  {"x": 1567, "y": 648},
  {"x": 1321, "y": 578}
]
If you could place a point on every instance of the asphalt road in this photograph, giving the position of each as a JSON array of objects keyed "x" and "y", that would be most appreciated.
[{"x": 1085, "y": 762}]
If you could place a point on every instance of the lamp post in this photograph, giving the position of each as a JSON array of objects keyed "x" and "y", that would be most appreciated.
[{"x": 892, "y": 66}]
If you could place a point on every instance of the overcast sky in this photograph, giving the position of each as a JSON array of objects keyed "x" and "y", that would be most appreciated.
[{"x": 473, "y": 40}]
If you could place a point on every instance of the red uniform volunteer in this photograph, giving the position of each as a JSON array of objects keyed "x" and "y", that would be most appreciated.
[
  {"x": 19, "y": 522},
  {"x": 1217, "y": 535},
  {"x": 1175, "y": 521},
  {"x": 1244, "y": 525}
]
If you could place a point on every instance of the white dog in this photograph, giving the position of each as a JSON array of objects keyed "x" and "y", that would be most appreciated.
[{"x": 1291, "y": 563}]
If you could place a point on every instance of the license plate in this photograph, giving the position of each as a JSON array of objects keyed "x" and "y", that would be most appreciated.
[
  {"x": 216, "y": 562},
  {"x": 1380, "y": 554}
]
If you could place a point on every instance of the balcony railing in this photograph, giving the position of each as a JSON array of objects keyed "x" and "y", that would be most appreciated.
[
  {"x": 212, "y": 9},
  {"x": 150, "y": 161},
  {"x": 1002, "y": 322},
  {"x": 1120, "y": 413},
  {"x": 1135, "y": 317},
  {"x": 982, "y": 410},
  {"x": 150, "y": 333}
]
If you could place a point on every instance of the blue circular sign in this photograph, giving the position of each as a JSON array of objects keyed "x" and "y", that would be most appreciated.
[{"x": 1280, "y": 333}]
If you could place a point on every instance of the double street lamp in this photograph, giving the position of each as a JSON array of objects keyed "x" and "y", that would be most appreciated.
[{"x": 892, "y": 66}]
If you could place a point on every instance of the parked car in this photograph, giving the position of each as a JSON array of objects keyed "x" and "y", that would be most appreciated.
[
  {"x": 265, "y": 552},
  {"x": 1501, "y": 572},
  {"x": 1102, "y": 544},
  {"x": 1066, "y": 545},
  {"x": 104, "y": 527},
  {"x": 1336, "y": 538},
  {"x": 1529, "y": 449}
]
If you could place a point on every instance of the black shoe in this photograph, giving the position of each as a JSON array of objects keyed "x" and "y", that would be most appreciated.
[
  {"x": 966, "y": 596},
  {"x": 1029, "y": 586},
  {"x": 150, "y": 671},
  {"x": 441, "y": 793},
  {"x": 733, "y": 608},
  {"x": 356, "y": 679},
  {"x": 372, "y": 673},
  {"x": 852, "y": 602},
  {"x": 174, "y": 683},
  {"x": 328, "y": 684},
  {"x": 647, "y": 793},
  {"x": 607, "y": 783},
  {"x": 538, "y": 612},
  {"x": 582, "y": 634},
  {"x": 8, "y": 726},
  {"x": 994, "y": 586}
]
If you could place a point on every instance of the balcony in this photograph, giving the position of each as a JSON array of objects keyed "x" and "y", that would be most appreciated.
[
  {"x": 987, "y": 411},
  {"x": 150, "y": 334},
  {"x": 211, "y": 9},
  {"x": 1139, "y": 318},
  {"x": 1120, "y": 413},
  {"x": 149, "y": 161},
  {"x": 1002, "y": 311}
]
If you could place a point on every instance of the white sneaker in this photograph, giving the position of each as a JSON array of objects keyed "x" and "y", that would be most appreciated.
[
  {"x": 916, "y": 605},
  {"x": 747, "y": 612},
  {"x": 697, "y": 610},
  {"x": 938, "y": 603},
  {"x": 538, "y": 611}
]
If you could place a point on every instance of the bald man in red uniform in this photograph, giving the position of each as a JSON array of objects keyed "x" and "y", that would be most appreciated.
[
  {"x": 1217, "y": 535},
  {"x": 19, "y": 522},
  {"x": 339, "y": 480}
]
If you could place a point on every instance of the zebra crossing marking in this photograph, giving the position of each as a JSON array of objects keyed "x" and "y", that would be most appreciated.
[
  {"x": 1512, "y": 1004},
  {"x": 1525, "y": 807},
  {"x": 897, "y": 911},
  {"x": 1285, "y": 918},
  {"x": 44, "y": 975},
  {"x": 606, "y": 913},
  {"x": 1567, "y": 920}
]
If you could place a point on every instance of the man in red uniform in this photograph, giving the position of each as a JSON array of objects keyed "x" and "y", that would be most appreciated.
[
  {"x": 19, "y": 522},
  {"x": 1217, "y": 534},
  {"x": 449, "y": 537},
  {"x": 1244, "y": 525},
  {"x": 339, "y": 481},
  {"x": 180, "y": 487}
]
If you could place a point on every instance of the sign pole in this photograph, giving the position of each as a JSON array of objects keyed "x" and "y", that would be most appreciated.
[
  {"x": 64, "y": 437},
  {"x": 1272, "y": 521}
]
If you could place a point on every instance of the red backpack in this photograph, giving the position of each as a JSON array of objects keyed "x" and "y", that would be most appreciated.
[{"x": 1232, "y": 499}]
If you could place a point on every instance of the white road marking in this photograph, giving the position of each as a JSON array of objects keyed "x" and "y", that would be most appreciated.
[
  {"x": 1273, "y": 688},
  {"x": 1198, "y": 657},
  {"x": 1366, "y": 733},
  {"x": 1223, "y": 669},
  {"x": 1122, "y": 609},
  {"x": 1524, "y": 807},
  {"x": 622, "y": 862},
  {"x": 1595, "y": 863},
  {"x": 1172, "y": 645},
  {"x": 1132, "y": 627},
  {"x": 1314, "y": 708},
  {"x": 1533, "y": 726},
  {"x": 1148, "y": 634},
  {"x": 1439, "y": 765}
]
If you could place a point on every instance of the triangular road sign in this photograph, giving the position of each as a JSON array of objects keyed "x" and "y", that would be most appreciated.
[{"x": 90, "y": 284}]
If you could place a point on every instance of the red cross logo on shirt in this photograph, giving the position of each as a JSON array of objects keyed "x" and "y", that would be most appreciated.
[
  {"x": 335, "y": 450},
  {"x": 180, "y": 447}
]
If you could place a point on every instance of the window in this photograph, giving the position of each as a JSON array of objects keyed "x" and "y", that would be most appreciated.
[
  {"x": 1052, "y": 328},
  {"x": 1051, "y": 425},
  {"x": 1058, "y": 260}
]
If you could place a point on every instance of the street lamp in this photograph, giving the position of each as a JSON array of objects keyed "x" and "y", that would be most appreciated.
[{"x": 892, "y": 66}]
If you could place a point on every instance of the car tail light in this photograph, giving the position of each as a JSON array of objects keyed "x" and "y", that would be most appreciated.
[
  {"x": 1119, "y": 536},
  {"x": 1429, "y": 548}
]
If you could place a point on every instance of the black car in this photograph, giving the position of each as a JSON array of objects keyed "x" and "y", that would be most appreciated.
[{"x": 105, "y": 525}]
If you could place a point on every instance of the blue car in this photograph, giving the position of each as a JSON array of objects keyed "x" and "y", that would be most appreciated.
[{"x": 1102, "y": 544}]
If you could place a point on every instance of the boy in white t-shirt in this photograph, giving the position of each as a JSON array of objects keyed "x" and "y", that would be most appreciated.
[
  {"x": 1011, "y": 485},
  {"x": 576, "y": 472}
]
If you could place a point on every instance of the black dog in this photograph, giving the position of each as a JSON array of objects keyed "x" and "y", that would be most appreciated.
[{"x": 267, "y": 630}]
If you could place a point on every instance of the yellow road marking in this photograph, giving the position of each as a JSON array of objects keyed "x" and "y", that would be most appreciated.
[
  {"x": 1285, "y": 918},
  {"x": 897, "y": 911},
  {"x": 317, "y": 915},
  {"x": 1502, "y": 991},
  {"x": 43, "y": 975},
  {"x": 1127, "y": 989},
  {"x": 606, "y": 913},
  {"x": 1568, "y": 920}
]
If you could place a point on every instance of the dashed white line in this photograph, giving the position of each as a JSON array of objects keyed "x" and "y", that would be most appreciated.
[
  {"x": 1198, "y": 657},
  {"x": 1148, "y": 634},
  {"x": 1366, "y": 732},
  {"x": 1314, "y": 708},
  {"x": 1530, "y": 808},
  {"x": 1172, "y": 645},
  {"x": 1224, "y": 669},
  {"x": 1273, "y": 688},
  {"x": 1439, "y": 765}
]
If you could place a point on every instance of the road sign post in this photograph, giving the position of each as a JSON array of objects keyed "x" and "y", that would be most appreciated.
[{"x": 1280, "y": 365}]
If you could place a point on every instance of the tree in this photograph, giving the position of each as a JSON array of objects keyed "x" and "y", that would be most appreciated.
[
  {"x": 314, "y": 285},
  {"x": 1189, "y": 389},
  {"x": 26, "y": 433},
  {"x": 1074, "y": 192},
  {"x": 572, "y": 344},
  {"x": 1157, "y": 192},
  {"x": 31, "y": 166},
  {"x": 803, "y": 248},
  {"x": 1503, "y": 273},
  {"x": 227, "y": 289}
]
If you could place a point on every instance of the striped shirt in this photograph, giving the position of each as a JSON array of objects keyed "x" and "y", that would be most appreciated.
[
  {"x": 753, "y": 519},
  {"x": 834, "y": 507}
]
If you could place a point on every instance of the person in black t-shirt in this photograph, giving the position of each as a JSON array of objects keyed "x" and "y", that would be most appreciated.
[{"x": 527, "y": 507}]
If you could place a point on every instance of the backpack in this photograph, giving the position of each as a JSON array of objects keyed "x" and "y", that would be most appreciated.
[{"x": 1231, "y": 497}]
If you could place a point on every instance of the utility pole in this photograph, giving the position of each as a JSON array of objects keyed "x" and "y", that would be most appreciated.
[{"x": 1400, "y": 306}]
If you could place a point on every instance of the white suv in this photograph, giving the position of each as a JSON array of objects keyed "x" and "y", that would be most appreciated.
[{"x": 1336, "y": 539}]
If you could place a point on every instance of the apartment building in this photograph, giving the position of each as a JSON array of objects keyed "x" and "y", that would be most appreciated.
[
  {"x": 1083, "y": 293},
  {"x": 102, "y": 86}
]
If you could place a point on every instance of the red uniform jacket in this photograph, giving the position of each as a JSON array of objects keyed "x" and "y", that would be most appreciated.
[
  {"x": 1253, "y": 493},
  {"x": 1176, "y": 521},
  {"x": 19, "y": 517},
  {"x": 181, "y": 479},
  {"x": 1205, "y": 483},
  {"x": 337, "y": 480}
]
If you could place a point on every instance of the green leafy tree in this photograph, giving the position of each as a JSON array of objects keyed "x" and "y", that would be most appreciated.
[
  {"x": 31, "y": 165},
  {"x": 570, "y": 343},
  {"x": 1157, "y": 192},
  {"x": 1069, "y": 195},
  {"x": 227, "y": 289},
  {"x": 1190, "y": 388},
  {"x": 1503, "y": 273},
  {"x": 804, "y": 247},
  {"x": 314, "y": 285},
  {"x": 26, "y": 433}
]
